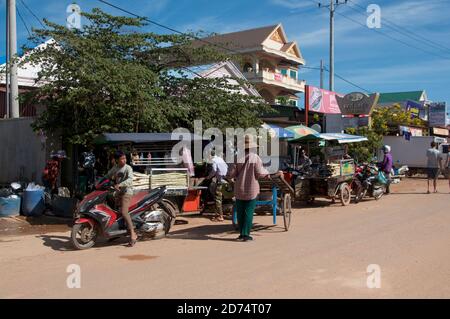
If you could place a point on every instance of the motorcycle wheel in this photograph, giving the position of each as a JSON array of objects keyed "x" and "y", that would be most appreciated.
[
  {"x": 357, "y": 190},
  {"x": 379, "y": 195},
  {"x": 83, "y": 236}
]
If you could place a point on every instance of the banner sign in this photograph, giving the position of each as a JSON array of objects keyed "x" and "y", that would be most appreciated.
[
  {"x": 323, "y": 101},
  {"x": 411, "y": 130},
  {"x": 417, "y": 109},
  {"x": 440, "y": 131},
  {"x": 357, "y": 103},
  {"x": 437, "y": 114}
]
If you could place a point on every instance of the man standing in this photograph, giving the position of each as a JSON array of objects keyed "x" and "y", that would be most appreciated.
[
  {"x": 247, "y": 187},
  {"x": 386, "y": 166},
  {"x": 433, "y": 164},
  {"x": 122, "y": 175},
  {"x": 219, "y": 170}
]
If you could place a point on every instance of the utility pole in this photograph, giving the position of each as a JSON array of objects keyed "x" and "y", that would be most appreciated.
[
  {"x": 7, "y": 65},
  {"x": 332, "y": 7},
  {"x": 14, "y": 87},
  {"x": 321, "y": 74}
]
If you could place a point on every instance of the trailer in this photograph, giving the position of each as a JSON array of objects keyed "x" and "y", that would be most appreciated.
[{"x": 412, "y": 152}]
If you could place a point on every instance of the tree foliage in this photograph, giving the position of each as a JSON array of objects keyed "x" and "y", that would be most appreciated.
[
  {"x": 111, "y": 76},
  {"x": 384, "y": 120}
]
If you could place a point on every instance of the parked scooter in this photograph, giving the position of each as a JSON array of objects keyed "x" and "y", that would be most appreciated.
[
  {"x": 98, "y": 216},
  {"x": 373, "y": 181}
]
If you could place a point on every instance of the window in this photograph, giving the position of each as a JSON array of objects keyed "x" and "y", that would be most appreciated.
[
  {"x": 293, "y": 102},
  {"x": 283, "y": 71},
  {"x": 293, "y": 74},
  {"x": 248, "y": 67}
]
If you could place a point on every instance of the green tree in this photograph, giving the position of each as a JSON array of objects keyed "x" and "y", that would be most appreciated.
[
  {"x": 110, "y": 76},
  {"x": 384, "y": 120}
]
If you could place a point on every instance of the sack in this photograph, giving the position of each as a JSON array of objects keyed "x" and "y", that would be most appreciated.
[{"x": 382, "y": 178}]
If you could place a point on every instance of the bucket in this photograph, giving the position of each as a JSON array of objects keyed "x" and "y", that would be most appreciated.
[
  {"x": 33, "y": 202},
  {"x": 64, "y": 206},
  {"x": 9, "y": 206}
]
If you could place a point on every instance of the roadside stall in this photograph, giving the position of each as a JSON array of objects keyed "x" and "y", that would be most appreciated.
[
  {"x": 154, "y": 165},
  {"x": 330, "y": 172}
]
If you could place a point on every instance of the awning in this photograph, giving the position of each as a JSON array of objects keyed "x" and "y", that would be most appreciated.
[
  {"x": 277, "y": 131},
  {"x": 116, "y": 138},
  {"x": 342, "y": 138}
]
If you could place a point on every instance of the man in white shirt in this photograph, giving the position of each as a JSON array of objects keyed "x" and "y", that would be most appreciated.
[
  {"x": 434, "y": 165},
  {"x": 218, "y": 172}
]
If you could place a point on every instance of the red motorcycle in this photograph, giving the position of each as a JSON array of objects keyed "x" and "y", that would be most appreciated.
[{"x": 98, "y": 216}]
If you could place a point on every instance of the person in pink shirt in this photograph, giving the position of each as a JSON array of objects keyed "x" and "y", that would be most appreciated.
[{"x": 246, "y": 187}]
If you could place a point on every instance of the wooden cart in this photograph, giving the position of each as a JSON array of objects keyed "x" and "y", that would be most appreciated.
[
  {"x": 336, "y": 186},
  {"x": 280, "y": 202}
]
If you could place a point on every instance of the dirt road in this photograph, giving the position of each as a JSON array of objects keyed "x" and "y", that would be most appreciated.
[{"x": 326, "y": 254}]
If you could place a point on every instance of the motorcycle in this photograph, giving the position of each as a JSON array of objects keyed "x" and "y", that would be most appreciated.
[
  {"x": 98, "y": 217},
  {"x": 373, "y": 181}
]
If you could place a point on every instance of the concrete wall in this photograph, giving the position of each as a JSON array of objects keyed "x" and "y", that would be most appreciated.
[{"x": 23, "y": 152}]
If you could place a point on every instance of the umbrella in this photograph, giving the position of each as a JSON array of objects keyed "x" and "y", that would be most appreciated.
[
  {"x": 276, "y": 131},
  {"x": 303, "y": 133}
]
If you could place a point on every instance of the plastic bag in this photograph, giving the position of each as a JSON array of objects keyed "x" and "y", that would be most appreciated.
[{"x": 34, "y": 187}]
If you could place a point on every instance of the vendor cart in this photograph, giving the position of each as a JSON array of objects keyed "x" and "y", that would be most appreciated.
[
  {"x": 154, "y": 166},
  {"x": 332, "y": 181},
  {"x": 280, "y": 202}
]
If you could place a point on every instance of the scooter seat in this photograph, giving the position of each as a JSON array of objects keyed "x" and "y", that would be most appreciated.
[{"x": 141, "y": 197}]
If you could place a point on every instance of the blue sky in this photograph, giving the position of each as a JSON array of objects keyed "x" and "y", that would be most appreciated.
[{"x": 362, "y": 56}]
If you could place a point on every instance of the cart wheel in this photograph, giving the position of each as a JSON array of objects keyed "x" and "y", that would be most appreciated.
[
  {"x": 287, "y": 211},
  {"x": 345, "y": 194}
]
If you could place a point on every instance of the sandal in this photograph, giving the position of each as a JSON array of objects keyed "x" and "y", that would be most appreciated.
[
  {"x": 132, "y": 242},
  {"x": 217, "y": 219}
]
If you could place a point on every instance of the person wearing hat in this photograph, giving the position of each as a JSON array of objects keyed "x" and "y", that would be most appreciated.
[
  {"x": 122, "y": 175},
  {"x": 386, "y": 165},
  {"x": 246, "y": 187}
]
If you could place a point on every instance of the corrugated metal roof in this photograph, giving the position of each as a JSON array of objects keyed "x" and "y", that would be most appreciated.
[{"x": 400, "y": 96}]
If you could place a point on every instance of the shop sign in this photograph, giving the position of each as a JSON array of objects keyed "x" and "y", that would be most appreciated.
[
  {"x": 357, "y": 103},
  {"x": 440, "y": 131},
  {"x": 437, "y": 114},
  {"x": 322, "y": 101}
]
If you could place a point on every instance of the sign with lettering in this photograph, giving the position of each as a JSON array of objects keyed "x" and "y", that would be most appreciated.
[
  {"x": 322, "y": 101},
  {"x": 437, "y": 114},
  {"x": 357, "y": 103}
]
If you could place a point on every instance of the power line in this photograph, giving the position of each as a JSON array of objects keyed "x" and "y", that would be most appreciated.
[
  {"x": 169, "y": 28},
  {"x": 349, "y": 82},
  {"x": 32, "y": 13},
  {"x": 207, "y": 42},
  {"x": 23, "y": 21},
  {"x": 405, "y": 31},
  {"x": 394, "y": 38},
  {"x": 389, "y": 36}
]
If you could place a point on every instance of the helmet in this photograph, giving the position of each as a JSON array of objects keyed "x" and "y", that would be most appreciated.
[{"x": 386, "y": 148}]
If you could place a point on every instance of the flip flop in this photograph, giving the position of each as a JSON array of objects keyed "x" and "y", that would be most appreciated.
[
  {"x": 132, "y": 243},
  {"x": 217, "y": 219}
]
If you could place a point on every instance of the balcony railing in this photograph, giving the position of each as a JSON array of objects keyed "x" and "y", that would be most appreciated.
[{"x": 276, "y": 77}]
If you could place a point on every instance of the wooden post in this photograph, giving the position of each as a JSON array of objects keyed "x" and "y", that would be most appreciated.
[{"x": 306, "y": 104}]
